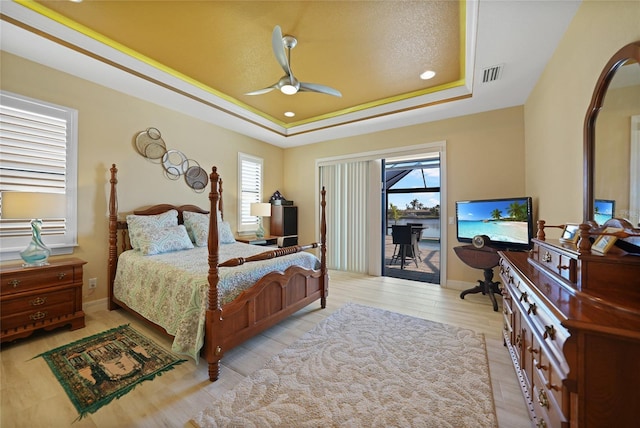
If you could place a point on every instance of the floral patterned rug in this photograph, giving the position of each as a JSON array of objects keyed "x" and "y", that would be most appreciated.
[
  {"x": 98, "y": 369},
  {"x": 366, "y": 367}
]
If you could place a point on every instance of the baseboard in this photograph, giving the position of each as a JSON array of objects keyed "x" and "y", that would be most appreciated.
[
  {"x": 460, "y": 285},
  {"x": 96, "y": 305}
]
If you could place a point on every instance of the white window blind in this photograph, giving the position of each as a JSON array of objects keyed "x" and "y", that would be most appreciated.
[
  {"x": 250, "y": 190},
  {"x": 38, "y": 153}
]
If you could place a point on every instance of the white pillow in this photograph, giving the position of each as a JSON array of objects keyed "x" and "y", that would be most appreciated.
[
  {"x": 139, "y": 223},
  {"x": 164, "y": 240},
  {"x": 198, "y": 227}
]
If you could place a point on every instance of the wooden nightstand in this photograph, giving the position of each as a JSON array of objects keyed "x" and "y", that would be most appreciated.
[
  {"x": 41, "y": 297},
  {"x": 253, "y": 240}
]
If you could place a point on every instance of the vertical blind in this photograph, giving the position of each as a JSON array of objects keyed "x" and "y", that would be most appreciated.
[
  {"x": 347, "y": 188},
  {"x": 250, "y": 168}
]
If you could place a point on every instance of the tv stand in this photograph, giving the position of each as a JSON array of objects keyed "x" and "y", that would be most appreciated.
[{"x": 485, "y": 258}]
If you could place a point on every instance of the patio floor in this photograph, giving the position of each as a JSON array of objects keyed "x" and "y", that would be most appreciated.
[{"x": 428, "y": 269}]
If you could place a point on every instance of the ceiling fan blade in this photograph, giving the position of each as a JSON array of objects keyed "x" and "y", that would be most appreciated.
[
  {"x": 279, "y": 50},
  {"x": 314, "y": 87},
  {"x": 262, "y": 91}
]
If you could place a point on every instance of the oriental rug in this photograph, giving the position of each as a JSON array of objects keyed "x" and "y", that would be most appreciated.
[
  {"x": 366, "y": 367},
  {"x": 98, "y": 369}
]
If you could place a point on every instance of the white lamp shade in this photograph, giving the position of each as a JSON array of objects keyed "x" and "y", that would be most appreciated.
[
  {"x": 260, "y": 209},
  {"x": 30, "y": 205}
]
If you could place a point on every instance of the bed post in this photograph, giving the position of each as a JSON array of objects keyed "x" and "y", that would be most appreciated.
[
  {"x": 113, "y": 235},
  {"x": 323, "y": 249},
  {"x": 213, "y": 321}
]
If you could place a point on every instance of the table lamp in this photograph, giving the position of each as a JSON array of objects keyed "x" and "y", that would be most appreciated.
[
  {"x": 36, "y": 206},
  {"x": 260, "y": 209}
]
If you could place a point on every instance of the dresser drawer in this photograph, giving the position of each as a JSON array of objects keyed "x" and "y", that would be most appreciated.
[
  {"x": 36, "y": 301},
  {"x": 548, "y": 411},
  {"x": 563, "y": 265},
  {"x": 30, "y": 279},
  {"x": 40, "y": 315}
]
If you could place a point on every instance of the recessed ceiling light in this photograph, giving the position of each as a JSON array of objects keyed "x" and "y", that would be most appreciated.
[
  {"x": 429, "y": 74},
  {"x": 289, "y": 114}
]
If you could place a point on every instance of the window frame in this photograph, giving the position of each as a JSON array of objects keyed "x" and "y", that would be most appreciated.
[
  {"x": 12, "y": 243},
  {"x": 247, "y": 223}
]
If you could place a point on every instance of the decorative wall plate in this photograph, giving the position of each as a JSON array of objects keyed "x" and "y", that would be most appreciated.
[{"x": 150, "y": 144}]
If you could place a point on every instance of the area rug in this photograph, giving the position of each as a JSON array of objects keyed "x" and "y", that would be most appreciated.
[
  {"x": 366, "y": 367},
  {"x": 95, "y": 370}
]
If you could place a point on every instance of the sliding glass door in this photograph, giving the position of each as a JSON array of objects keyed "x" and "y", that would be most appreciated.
[{"x": 411, "y": 195}]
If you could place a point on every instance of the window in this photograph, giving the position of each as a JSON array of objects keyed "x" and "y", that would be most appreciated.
[
  {"x": 249, "y": 189},
  {"x": 38, "y": 153}
]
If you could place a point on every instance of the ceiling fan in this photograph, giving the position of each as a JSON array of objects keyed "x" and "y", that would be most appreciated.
[{"x": 288, "y": 84}]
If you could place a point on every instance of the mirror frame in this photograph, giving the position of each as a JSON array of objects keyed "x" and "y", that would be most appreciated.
[{"x": 630, "y": 51}]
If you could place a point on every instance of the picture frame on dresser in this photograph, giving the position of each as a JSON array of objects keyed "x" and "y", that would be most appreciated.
[
  {"x": 604, "y": 242},
  {"x": 571, "y": 233}
]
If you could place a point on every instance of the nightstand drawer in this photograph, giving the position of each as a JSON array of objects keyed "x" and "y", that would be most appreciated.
[
  {"x": 37, "y": 315},
  {"x": 40, "y": 297},
  {"x": 36, "y": 301},
  {"x": 31, "y": 278}
]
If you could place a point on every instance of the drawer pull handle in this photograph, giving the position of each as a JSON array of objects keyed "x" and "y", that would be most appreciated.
[
  {"x": 549, "y": 332},
  {"x": 532, "y": 349},
  {"x": 541, "y": 424},
  {"x": 542, "y": 399},
  {"x": 510, "y": 279},
  {"x": 562, "y": 267},
  {"x": 541, "y": 366},
  {"x": 523, "y": 297},
  {"x": 61, "y": 275},
  {"x": 37, "y": 316},
  {"x": 14, "y": 283},
  {"x": 38, "y": 301},
  {"x": 546, "y": 257},
  {"x": 518, "y": 341},
  {"x": 532, "y": 309},
  {"x": 551, "y": 386}
]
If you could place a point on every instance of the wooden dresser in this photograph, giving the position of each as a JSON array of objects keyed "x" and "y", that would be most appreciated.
[
  {"x": 42, "y": 297},
  {"x": 572, "y": 327}
]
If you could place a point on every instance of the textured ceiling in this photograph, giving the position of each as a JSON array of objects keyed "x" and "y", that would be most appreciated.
[{"x": 371, "y": 51}]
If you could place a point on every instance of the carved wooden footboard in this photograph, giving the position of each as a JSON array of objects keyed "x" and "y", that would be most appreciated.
[{"x": 271, "y": 299}]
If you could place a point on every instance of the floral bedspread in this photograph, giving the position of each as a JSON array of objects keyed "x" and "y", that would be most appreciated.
[{"x": 171, "y": 289}]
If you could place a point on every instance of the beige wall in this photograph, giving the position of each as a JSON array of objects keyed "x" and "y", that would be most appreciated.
[
  {"x": 485, "y": 152},
  {"x": 485, "y": 159},
  {"x": 108, "y": 124},
  {"x": 555, "y": 111}
]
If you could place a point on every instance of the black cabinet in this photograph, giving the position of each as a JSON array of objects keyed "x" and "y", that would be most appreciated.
[{"x": 284, "y": 223}]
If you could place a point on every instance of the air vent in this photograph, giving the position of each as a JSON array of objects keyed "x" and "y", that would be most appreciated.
[{"x": 491, "y": 74}]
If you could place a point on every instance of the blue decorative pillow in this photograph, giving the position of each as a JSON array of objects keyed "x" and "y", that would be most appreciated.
[
  {"x": 198, "y": 227},
  {"x": 164, "y": 240},
  {"x": 141, "y": 223},
  {"x": 225, "y": 235}
]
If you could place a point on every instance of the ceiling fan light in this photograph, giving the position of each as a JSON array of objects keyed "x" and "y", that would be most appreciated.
[
  {"x": 288, "y": 89},
  {"x": 429, "y": 74}
]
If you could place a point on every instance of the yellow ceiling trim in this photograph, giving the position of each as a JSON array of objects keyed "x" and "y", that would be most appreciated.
[
  {"x": 381, "y": 102},
  {"x": 55, "y": 16}
]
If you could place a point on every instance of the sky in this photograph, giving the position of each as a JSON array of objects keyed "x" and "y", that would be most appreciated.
[
  {"x": 414, "y": 180},
  {"x": 481, "y": 210}
]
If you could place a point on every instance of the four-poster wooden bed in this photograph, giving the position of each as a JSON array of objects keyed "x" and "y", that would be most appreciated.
[{"x": 270, "y": 299}]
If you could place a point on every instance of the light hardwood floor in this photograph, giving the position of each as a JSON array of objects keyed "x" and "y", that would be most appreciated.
[{"x": 31, "y": 397}]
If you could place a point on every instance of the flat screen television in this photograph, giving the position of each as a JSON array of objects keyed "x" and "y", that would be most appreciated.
[
  {"x": 508, "y": 222},
  {"x": 603, "y": 210}
]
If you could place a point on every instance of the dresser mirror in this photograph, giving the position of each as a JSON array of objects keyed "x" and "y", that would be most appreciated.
[
  {"x": 612, "y": 143},
  {"x": 612, "y": 140}
]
